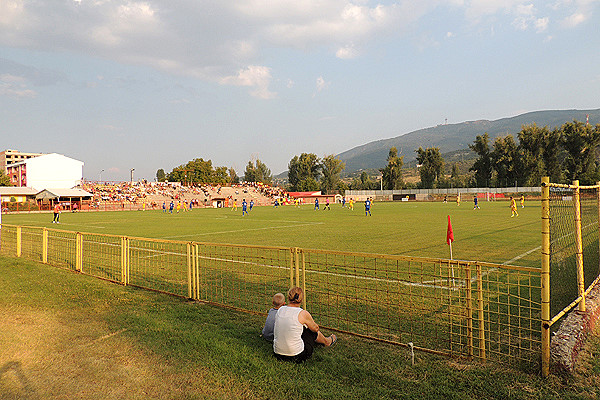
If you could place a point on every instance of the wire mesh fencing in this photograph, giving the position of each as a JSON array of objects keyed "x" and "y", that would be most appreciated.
[
  {"x": 480, "y": 310},
  {"x": 456, "y": 308},
  {"x": 570, "y": 206}
]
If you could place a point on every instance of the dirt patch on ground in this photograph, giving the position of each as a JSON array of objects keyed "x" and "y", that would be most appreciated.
[{"x": 58, "y": 356}]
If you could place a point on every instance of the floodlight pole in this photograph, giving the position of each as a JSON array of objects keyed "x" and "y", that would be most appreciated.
[
  {"x": 132, "y": 169},
  {"x": 101, "y": 175}
]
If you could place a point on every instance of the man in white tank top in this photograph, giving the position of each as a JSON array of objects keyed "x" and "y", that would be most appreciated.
[{"x": 295, "y": 330}]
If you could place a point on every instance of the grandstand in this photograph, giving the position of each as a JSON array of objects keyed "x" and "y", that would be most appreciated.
[{"x": 134, "y": 195}]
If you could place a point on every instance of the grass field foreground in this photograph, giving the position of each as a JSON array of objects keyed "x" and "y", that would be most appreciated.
[{"x": 64, "y": 335}]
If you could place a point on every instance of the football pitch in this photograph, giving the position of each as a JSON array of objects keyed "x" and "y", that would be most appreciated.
[{"x": 396, "y": 228}]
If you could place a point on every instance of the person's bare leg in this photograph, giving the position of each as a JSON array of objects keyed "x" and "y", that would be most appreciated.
[{"x": 326, "y": 341}]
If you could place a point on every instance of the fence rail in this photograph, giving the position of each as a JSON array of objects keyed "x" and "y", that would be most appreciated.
[{"x": 456, "y": 308}]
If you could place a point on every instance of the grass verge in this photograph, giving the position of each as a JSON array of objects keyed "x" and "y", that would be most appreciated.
[{"x": 64, "y": 335}]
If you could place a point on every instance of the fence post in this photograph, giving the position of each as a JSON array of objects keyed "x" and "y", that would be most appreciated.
[
  {"x": 303, "y": 280},
  {"x": 197, "y": 271},
  {"x": 481, "y": 315},
  {"x": 18, "y": 241},
  {"x": 78, "y": 251},
  {"x": 45, "y": 245},
  {"x": 297, "y": 251},
  {"x": 579, "y": 247},
  {"x": 124, "y": 260},
  {"x": 292, "y": 262},
  {"x": 189, "y": 272},
  {"x": 469, "y": 310},
  {"x": 545, "y": 276},
  {"x": 598, "y": 194}
]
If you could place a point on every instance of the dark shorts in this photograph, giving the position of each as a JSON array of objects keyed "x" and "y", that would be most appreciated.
[{"x": 309, "y": 338}]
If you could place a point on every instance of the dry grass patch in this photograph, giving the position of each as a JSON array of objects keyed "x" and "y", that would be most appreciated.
[{"x": 64, "y": 356}]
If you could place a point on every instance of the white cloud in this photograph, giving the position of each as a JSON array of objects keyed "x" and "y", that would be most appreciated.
[
  {"x": 217, "y": 40},
  {"x": 11, "y": 11},
  {"x": 256, "y": 76},
  {"x": 322, "y": 84},
  {"x": 346, "y": 52},
  {"x": 478, "y": 9},
  {"x": 541, "y": 24},
  {"x": 15, "y": 86},
  {"x": 573, "y": 20}
]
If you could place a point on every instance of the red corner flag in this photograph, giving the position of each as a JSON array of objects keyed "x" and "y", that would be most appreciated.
[{"x": 449, "y": 233}]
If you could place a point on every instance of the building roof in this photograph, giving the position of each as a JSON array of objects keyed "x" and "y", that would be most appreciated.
[
  {"x": 17, "y": 191},
  {"x": 64, "y": 193},
  {"x": 305, "y": 194}
]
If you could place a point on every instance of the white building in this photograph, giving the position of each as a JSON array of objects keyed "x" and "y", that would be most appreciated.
[{"x": 47, "y": 171}]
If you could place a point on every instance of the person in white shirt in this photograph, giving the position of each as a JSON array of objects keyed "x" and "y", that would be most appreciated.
[{"x": 296, "y": 332}]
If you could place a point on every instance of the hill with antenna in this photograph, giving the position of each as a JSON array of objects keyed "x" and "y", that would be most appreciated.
[{"x": 453, "y": 137}]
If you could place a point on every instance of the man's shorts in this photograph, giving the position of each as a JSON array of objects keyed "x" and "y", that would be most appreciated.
[{"x": 309, "y": 338}]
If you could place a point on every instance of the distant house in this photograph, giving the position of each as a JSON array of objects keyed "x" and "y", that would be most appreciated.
[
  {"x": 11, "y": 194},
  {"x": 309, "y": 197},
  {"x": 46, "y": 171},
  {"x": 219, "y": 202},
  {"x": 68, "y": 197}
]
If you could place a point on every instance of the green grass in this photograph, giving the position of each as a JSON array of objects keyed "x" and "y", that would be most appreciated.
[
  {"x": 414, "y": 229},
  {"x": 66, "y": 335}
]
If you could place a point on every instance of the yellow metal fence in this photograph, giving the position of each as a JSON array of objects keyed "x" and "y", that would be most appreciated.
[
  {"x": 570, "y": 253},
  {"x": 472, "y": 309}
]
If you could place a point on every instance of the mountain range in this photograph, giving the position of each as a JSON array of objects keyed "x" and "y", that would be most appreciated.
[{"x": 454, "y": 137}]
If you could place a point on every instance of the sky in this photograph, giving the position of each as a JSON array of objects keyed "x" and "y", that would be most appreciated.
[{"x": 143, "y": 85}]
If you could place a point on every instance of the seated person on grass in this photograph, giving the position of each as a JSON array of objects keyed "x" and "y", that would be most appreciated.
[
  {"x": 267, "y": 332},
  {"x": 296, "y": 333}
]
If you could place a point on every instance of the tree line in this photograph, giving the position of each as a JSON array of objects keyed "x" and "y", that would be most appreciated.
[{"x": 564, "y": 153}]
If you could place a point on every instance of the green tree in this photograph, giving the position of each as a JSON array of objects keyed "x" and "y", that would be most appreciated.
[
  {"x": 220, "y": 175},
  {"x": 364, "y": 183},
  {"x": 505, "y": 161},
  {"x": 531, "y": 147},
  {"x": 233, "y": 178},
  {"x": 431, "y": 166},
  {"x": 250, "y": 172},
  {"x": 4, "y": 179},
  {"x": 198, "y": 171},
  {"x": 483, "y": 164},
  {"x": 392, "y": 173},
  {"x": 258, "y": 172},
  {"x": 304, "y": 172},
  {"x": 331, "y": 168},
  {"x": 455, "y": 179},
  {"x": 160, "y": 175},
  {"x": 552, "y": 152},
  {"x": 580, "y": 142}
]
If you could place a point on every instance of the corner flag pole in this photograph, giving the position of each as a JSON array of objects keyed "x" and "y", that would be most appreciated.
[{"x": 450, "y": 236}]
